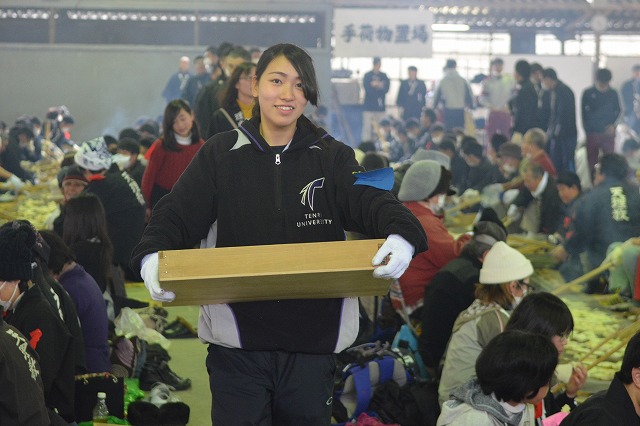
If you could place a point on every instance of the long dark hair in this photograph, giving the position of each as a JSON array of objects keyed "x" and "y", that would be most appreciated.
[
  {"x": 86, "y": 220},
  {"x": 302, "y": 63},
  {"x": 229, "y": 92},
  {"x": 171, "y": 111}
]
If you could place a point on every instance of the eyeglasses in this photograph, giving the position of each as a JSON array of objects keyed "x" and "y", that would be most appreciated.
[{"x": 526, "y": 286}]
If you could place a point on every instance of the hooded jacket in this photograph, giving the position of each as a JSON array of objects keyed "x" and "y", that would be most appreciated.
[{"x": 238, "y": 191}]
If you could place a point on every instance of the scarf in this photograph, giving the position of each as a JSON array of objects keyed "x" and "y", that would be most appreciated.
[{"x": 471, "y": 394}]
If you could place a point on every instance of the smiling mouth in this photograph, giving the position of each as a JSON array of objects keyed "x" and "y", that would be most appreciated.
[{"x": 284, "y": 108}]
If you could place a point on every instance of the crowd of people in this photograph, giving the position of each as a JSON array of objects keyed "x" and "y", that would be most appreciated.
[{"x": 226, "y": 167}]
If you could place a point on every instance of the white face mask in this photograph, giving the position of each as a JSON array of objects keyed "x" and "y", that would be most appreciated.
[
  {"x": 508, "y": 168},
  {"x": 436, "y": 139},
  {"x": 207, "y": 63},
  {"x": 6, "y": 305},
  {"x": 123, "y": 161},
  {"x": 516, "y": 301},
  {"x": 438, "y": 206}
]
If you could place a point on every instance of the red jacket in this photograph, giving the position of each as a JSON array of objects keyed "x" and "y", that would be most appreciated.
[
  {"x": 165, "y": 167},
  {"x": 442, "y": 249}
]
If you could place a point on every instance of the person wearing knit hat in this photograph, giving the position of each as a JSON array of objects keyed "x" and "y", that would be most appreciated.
[
  {"x": 430, "y": 154},
  {"x": 73, "y": 182},
  {"x": 504, "y": 281},
  {"x": 451, "y": 291},
  {"x": 29, "y": 312},
  {"x": 423, "y": 190}
]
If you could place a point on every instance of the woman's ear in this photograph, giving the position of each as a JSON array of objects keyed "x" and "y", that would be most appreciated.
[
  {"x": 254, "y": 87},
  {"x": 635, "y": 377}
]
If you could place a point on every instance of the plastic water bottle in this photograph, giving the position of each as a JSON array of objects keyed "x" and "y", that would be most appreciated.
[{"x": 100, "y": 411}]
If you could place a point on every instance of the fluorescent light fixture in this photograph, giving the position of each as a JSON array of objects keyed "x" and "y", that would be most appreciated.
[{"x": 450, "y": 27}]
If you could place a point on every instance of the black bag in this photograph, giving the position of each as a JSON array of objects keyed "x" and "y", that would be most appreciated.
[
  {"x": 87, "y": 388},
  {"x": 413, "y": 404}
]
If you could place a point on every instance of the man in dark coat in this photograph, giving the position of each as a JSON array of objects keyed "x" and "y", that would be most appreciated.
[
  {"x": 562, "y": 133},
  {"x": 412, "y": 95},
  {"x": 30, "y": 313},
  {"x": 524, "y": 104},
  {"x": 617, "y": 405},
  {"x": 538, "y": 202}
]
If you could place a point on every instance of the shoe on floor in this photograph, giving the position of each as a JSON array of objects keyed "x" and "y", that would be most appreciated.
[
  {"x": 154, "y": 372},
  {"x": 160, "y": 394},
  {"x": 179, "y": 329}
]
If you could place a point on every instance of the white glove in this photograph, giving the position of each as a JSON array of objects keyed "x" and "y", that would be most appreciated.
[
  {"x": 470, "y": 193},
  {"x": 149, "y": 273},
  {"x": 15, "y": 182},
  {"x": 510, "y": 195},
  {"x": 513, "y": 213},
  {"x": 401, "y": 252}
]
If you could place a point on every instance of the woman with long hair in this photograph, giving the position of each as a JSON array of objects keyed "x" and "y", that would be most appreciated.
[
  {"x": 236, "y": 99},
  {"x": 268, "y": 363},
  {"x": 172, "y": 152},
  {"x": 84, "y": 230}
]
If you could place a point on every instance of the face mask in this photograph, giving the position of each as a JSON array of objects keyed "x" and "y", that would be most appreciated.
[
  {"x": 123, "y": 161},
  {"x": 207, "y": 63},
  {"x": 516, "y": 301},
  {"x": 436, "y": 139},
  {"x": 438, "y": 206},
  {"x": 508, "y": 168},
  {"x": 6, "y": 305}
]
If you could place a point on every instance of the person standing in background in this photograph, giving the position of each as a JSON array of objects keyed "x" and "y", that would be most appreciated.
[
  {"x": 630, "y": 92},
  {"x": 178, "y": 81},
  {"x": 496, "y": 92},
  {"x": 412, "y": 95},
  {"x": 600, "y": 112},
  {"x": 197, "y": 81},
  {"x": 562, "y": 135},
  {"x": 454, "y": 93},
  {"x": 376, "y": 86},
  {"x": 524, "y": 104}
]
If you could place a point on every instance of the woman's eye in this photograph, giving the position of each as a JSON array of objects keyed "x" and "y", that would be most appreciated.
[{"x": 276, "y": 81}]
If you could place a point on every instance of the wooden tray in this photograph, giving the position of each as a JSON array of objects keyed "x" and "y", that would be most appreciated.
[{"x": 272, "y": 272}]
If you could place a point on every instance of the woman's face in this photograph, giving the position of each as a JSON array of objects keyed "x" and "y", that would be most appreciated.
[
  {"x": 244, "y": 84},
  {"x": 560, "y": 342},
  {"x": 542, "y": 392},
  {"x": 279, "y": 92},
  {"x": 71, "y": 188},
  {"x": 183, "y": 123}
]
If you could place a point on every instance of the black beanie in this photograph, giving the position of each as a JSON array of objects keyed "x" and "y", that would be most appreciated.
[{"x": 16, "y": 257}]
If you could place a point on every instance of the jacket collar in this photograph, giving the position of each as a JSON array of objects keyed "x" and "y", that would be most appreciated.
[{"x": 306, "y": 135}]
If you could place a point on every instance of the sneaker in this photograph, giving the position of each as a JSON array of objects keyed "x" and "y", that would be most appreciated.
[{"x": 160, "y": 394}]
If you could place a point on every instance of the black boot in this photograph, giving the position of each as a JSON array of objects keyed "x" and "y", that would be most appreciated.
[{"x": 153, "y": 372}]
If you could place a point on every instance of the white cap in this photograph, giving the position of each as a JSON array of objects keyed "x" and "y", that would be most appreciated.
[
  {"x": 93, "y": 155},
  {"x": 504, "y": 264}
]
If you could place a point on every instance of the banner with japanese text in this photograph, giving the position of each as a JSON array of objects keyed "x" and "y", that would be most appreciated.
[{"x": 382, "y": 32}]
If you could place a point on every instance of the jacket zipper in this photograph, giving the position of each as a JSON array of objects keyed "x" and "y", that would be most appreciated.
[{"x": 278, "y": 189}]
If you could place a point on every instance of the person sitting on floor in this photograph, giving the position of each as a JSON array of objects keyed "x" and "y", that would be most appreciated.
[{"x": 513, "y": 374}]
